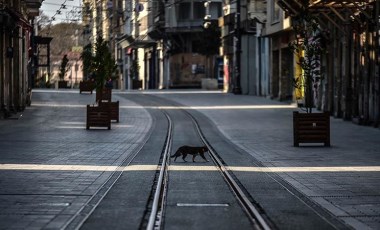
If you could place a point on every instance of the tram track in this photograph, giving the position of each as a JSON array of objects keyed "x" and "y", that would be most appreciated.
[
  {"x": 156, "y": 214},
  {"x": 158, "y": 204},
  {"x": 121, "y": 190},
  {"x": 165, "y": 204},
  {"x": 250, "y": 209},
  {"x": 248, "y": 191},
  {"x": 79, "y": 218},
  {"x": 159, "y": 192}
]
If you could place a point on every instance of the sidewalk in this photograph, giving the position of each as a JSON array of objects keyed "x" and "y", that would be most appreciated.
[
  {"x": 343, "y": 178},
  {"x": 51, "y": 167}
]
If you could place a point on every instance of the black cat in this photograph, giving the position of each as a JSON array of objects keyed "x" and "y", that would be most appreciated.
[{"x": 184, "y": 150}]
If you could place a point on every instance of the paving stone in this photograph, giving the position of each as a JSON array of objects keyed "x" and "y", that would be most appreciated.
[
  {"x": 50, "y": 137},
  {"x": 267, "y": 135}
]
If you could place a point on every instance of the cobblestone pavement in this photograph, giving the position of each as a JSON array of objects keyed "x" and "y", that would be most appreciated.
[
  {"x": 51, "y": 167},
  {"x": 343, "y": 178}
]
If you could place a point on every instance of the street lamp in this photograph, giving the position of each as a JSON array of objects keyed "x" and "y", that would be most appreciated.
[
  {"x": 207, "y": 18},
  {"x": 237, "y": 48}
]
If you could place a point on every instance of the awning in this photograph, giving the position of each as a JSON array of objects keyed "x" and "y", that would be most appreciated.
[
  {"x": 19, "y": 18},
  {"x": 338, "y": 7},
  {"x": 338, "y": 12}
]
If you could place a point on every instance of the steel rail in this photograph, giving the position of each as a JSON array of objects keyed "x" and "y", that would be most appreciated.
[
  {"x": 155, "y": 217},
  {"x": 78, "y": 219},
  {"x": 250, "y": 209}
]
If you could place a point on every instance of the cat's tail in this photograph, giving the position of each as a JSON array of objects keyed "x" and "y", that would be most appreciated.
[{"x": 177, "y": 153}]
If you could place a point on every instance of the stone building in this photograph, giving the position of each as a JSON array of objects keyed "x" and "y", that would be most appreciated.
[
  {"x": 350, "y": 69},
  {"x": 17, "y": 50}
]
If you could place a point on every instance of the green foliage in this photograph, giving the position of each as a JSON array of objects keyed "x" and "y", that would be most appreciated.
[
  {"x": 102, "y": 65},
  {"x": 308, "y": 46},
  {"x": 86, "y": 57},
  {"x": 63, "y": 68}
]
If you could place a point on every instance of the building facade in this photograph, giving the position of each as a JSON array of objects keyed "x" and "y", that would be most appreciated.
[
  {"x": 349, "y": 82},
  {"x": 18, "y": 52},
  {"x": 349, "y": 85},
  {"x": 161, "y": 44},
  {"x": 157, "y": 44}
]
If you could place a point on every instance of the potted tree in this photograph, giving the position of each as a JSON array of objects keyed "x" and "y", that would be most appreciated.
[
  {"x": 88, "y": 83},
  {"x": 103, "y": 68},
  {"x": 62, "y": 72},
  {"x": 308, "y": 127},
  {"x": 99, "y": 65},
  {"x": 86, "y": 57}
]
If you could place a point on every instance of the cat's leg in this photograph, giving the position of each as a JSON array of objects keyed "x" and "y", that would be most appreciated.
[
  {"x": 194, "y": 158},
  {"x": 203, "y": 157},
  {"x": 184, "y": 156}
]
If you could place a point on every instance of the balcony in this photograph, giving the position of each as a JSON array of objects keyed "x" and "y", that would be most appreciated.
[
  {"x": 156, "y": 27},
  {"x": 33, "y": 7}
]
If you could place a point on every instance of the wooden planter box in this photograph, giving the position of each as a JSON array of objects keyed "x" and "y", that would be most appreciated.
[
  {"x": 86, "y": 86},
  {"x": 98, "y": 116},
  {"x": 311, "y": 128},
  {"x": 114, "y": 110},
  {"x": 104, "y": 94}
]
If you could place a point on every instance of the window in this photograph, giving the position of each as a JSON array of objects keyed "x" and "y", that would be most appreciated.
[
  {"x": 216, "y": 10},
  {"x": 275, "y": 12},
  {"x": 199, "y": 10},
  {"x": 184, "y": 11}
]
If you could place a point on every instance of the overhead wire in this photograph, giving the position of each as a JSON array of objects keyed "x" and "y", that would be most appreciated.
[{"x": 63, "y": 9}]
